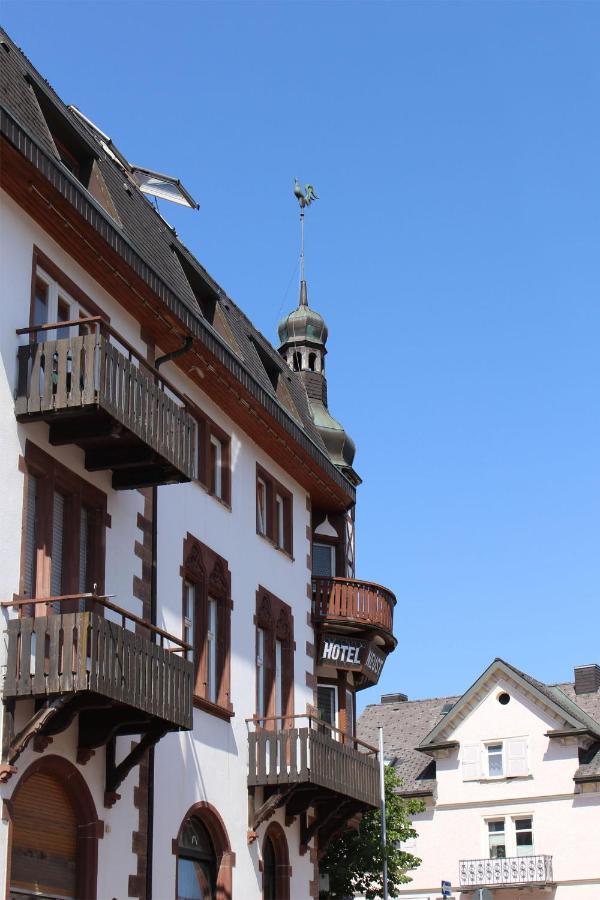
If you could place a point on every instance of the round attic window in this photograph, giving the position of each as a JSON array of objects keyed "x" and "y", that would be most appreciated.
[{"x": 503, "y": 698}]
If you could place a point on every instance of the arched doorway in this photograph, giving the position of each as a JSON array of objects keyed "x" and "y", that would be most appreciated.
[
  {"x": 54, "y": 833},
  {"x": 275, "y": 864},
  {"x": 204, "y": 857}
]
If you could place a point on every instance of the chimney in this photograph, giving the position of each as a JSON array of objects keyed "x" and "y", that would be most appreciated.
[
  {"x": 394, "y": 698},
  {"x": 587, "y": 679}
]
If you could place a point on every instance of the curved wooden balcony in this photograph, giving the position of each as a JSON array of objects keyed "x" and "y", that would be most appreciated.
[{"x": 352, "y": 602}]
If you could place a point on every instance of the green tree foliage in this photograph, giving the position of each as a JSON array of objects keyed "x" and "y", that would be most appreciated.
[{"x": 354, "y": 861}]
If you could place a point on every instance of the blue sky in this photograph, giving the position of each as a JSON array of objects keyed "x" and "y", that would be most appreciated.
[{"x": 454, "y": 254}]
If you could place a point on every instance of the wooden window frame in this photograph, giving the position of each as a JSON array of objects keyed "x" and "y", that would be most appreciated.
[
  {"x": 53, "y": 476},
  {"x": 208, "y": 429},
  {"x": 342, "y": 686},
  {"x": 275, "y": 489},
  {"x": 276, "y": 619},
  {"x": 49, "y": 270},
  {"x": 210, "y": 575}
]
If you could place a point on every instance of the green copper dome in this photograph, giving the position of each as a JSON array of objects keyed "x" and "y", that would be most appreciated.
[{"x": 303, "y": 324}]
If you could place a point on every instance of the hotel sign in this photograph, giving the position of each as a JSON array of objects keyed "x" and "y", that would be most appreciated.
[{"x": 352, "y": 654}]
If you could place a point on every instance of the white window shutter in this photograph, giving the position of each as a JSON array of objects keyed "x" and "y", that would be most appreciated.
[
  {"x": 516, "y": 757},
  {"x": 470, "y": 762}
]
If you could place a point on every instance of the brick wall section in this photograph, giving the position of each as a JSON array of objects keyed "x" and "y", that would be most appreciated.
[{"x": 141, "y": 591}]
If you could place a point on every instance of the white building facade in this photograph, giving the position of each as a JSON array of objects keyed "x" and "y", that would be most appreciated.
[
  {"x": 510, "y": 775},
  {"x": 180, "y": 491}
]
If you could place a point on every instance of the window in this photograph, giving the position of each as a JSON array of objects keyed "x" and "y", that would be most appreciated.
[
  {"x": 214, "y": 457},
  {"x": 56, "y": 298},
  {"x": 524, "y": 836},
  {"x": 206, "y": 624},
  {"x": 196, "y": 862},
  {"x": 497, "y": 839},
  {"x": 63, "y": 530},
  {"x": 323, "y": 560},
  {"x": 189, "y": 604},
  {"x": 495, "y": 760},
  {"x": 274, "y": 658},
  {"x": 261, "y": 506},
  {"x": 349, "y": 712},
  {"x": 327, "y": 703},
  {"x": 273, "y": 511},
  {"x": 260, "y": 672}
]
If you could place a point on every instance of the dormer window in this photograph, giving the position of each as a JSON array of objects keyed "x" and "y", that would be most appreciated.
[{"x": 72, "y": 148}]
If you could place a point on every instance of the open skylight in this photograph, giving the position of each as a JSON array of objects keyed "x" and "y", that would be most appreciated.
[{"x": 165, "y": 187}]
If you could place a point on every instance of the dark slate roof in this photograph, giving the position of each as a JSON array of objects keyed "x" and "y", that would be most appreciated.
[
  {"x": 405, "y": 724},
  {"x": 151, "y": 238}
]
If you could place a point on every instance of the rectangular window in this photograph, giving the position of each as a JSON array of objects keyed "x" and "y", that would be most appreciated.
[
  {"x": 524, "y": 836},
  {"x": 497, "y": 839},
  {"x": 206, "y": 624},
  {"x": 214, "y": 455},
  {"x": 327, "y": 703},
  {"x": 58, "y": 530},
  {"x": 273, "y": 510},
  {"x": 65, "y": 519},
  {"x": 495, "y": 758},
  {"x": 278, "y": 681},
  {"x": 211, "y": 642},
  {"x": 189, "y": 604},
  {"x": 51, "y": 303},
  {"x": 261, "y": 506},
  {"x": 323, "y": 560},
  {"x": 260, "y": 672},
  {"x": 216, "y": 462}
]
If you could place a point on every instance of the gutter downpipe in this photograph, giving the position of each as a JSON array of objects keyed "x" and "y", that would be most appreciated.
[{"x": 186, "y": 346}]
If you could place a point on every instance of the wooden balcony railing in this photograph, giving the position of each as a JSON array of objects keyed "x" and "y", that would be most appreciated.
[
  {"x": 73, "y": 647},
  {"x": 346, "y": 600},
  {"x": 514, "y": 870},
  {"x": 71, "y": 373},
  {"x": 314, "y": 753}
]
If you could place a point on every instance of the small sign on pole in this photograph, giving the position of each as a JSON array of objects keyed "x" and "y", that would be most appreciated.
[{"x": 446, "y": 889}]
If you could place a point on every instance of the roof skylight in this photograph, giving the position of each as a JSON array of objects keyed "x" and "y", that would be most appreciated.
[{"x": 165, "y": 187}]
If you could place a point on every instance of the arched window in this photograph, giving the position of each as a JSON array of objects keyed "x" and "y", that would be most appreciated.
[
  {"x": 275, "y": 864},
  {"x": 312, "y": 361},
  {"x": 204, "y": 857},
  {"x": 196, "y": 862},
  {"x": 297, "y": 361},
  {"x": 54, "y": 833}
]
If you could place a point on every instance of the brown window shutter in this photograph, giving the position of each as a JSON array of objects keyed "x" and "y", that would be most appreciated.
[
  {"x": 44, "y": 838},
  {"x": 223, "y": 621}
]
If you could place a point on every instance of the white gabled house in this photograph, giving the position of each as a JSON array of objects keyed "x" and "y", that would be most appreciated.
[{"x": 510, "y": 773}]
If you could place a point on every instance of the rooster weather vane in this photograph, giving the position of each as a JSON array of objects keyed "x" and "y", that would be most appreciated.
[{"x": 305, "y": 198}]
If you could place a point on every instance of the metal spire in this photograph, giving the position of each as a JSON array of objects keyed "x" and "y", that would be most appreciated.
[{"x": 304, "y": 198}]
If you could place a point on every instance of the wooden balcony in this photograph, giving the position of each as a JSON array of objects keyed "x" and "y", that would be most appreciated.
[
  {"x": 309, "y": 763},
  {"x": 78, "y": 656},
  {"x": 360, "y": 605},
  {"x": 514, "y": 871},
  {"x": 95, "y": 390}
]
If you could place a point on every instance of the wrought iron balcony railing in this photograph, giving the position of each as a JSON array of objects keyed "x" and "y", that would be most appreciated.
[
  {"x": 352, "y": 602},
  {"x": 95, "y": 390},
  {"x": 514, "y": 870}
]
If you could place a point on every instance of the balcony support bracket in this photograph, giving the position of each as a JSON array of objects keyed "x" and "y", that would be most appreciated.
[
  {"x": 15, "y": 744},
  {"x": 268, "y": 808},
  {"x": 116, "y": 774},
  {"x": 333, "y": 813}
]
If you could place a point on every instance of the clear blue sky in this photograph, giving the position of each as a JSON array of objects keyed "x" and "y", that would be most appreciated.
[{"x": 454, "y": 254}]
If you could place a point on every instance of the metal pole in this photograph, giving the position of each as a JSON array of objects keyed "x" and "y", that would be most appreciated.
[
  {"x": 301, "y": 244},
  {"x": 383, "y": 825}
]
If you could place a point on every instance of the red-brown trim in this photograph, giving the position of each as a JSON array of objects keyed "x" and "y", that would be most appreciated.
[
  {"x": 90, "y": 827},
  {"x": 274, "y": 488},
  {"x": 283, "y": 870},
  {"x": 53, "y": 475},
  {"x": 210, "y": 574},
  {"x": 67, "y": 284},
  {"x": 215, "y": 826}
]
